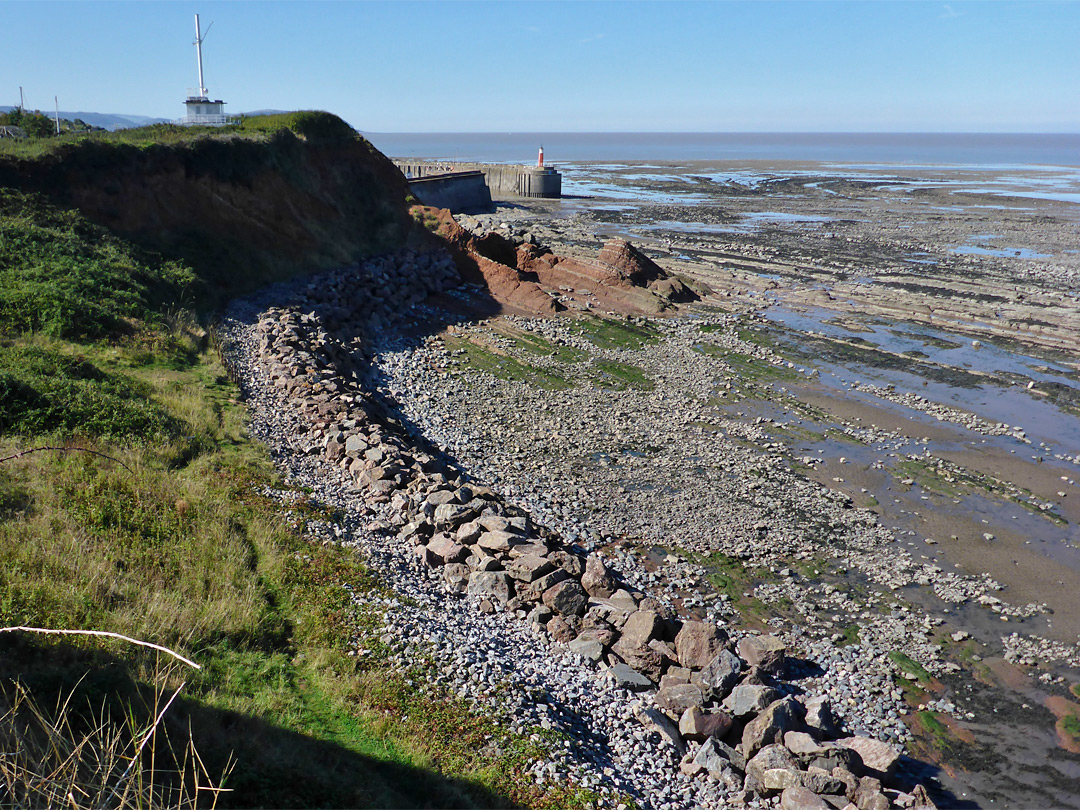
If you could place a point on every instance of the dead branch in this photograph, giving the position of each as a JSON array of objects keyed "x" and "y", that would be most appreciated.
[
  {"x": 67, "y": 450},
  {"x": 100, "y": 633}
]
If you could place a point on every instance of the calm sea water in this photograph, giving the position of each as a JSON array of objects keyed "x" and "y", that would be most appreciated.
[{"x": 888, "y": 149}]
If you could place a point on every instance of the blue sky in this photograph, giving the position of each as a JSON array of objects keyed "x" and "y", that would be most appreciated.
[{"x": 565, "y": 66}]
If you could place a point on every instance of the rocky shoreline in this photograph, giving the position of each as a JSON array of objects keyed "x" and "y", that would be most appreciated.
[{"x": 658, "y": 698}]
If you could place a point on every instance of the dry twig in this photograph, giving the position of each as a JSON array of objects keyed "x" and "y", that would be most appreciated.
[
  {"x": 22, "y": 453},
  {"x": 101, "y": 633}
]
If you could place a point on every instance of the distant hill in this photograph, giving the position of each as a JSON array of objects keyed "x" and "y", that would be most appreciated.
[
  {"x": 114, "y": 121},
  {"x": 110, "y": 121}
]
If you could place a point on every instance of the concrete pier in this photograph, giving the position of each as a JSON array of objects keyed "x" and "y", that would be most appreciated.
[
  {"x": 504, "y": 181},
  {"x": 464, "y": 192}
]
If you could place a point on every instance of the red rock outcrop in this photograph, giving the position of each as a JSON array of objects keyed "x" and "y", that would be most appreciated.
[{"x": 525, "y": 277}]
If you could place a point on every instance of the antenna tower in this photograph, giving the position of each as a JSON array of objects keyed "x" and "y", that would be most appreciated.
[{"x": 199, "y": 37}]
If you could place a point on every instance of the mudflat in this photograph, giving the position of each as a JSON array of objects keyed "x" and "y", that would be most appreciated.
[{"x": 868, "y": 429}]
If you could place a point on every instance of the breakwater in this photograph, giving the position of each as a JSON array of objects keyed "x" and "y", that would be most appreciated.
[{"x": 504, "y": 181}]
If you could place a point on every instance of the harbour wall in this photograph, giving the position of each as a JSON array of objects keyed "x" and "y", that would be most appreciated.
[
  {"x": 458, "y": 191},
  {"x": 504, "y": 181}
]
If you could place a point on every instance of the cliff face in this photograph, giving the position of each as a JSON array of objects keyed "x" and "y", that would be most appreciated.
[{"x": 241, "y": 211}]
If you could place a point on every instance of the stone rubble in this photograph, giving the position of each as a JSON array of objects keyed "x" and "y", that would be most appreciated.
[{"x": 673, "y": 710}]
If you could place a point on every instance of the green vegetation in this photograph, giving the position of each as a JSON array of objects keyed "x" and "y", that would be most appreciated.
[
  {"x": 731, "y": 578},
  {"x": 63, "y": 276},
  {"x": 745, "y": 366},
  {"x": 912, "y": 670},
  {"x": 1070, "y": 723},
  {"x": 540, "y": 345},
  {"x": 613, "y": 333},
  {"x": 426, "y": 218},
  {"x": 1075, "y": 689},
  {"x": 43, "y": 140},
  {"x": 166, "y": 532},
  {"x": 850, "y": 635},
  {"x": 503, "y": 366},
  {"x": 933, "y": 729},
  {"x": 755, "y": 336},
  {"x": 928, "y": 477},
  {"x": 619, "y": 376}
]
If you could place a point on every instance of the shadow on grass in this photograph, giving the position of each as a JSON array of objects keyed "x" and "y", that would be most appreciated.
[{"x": 273, "y": 766}]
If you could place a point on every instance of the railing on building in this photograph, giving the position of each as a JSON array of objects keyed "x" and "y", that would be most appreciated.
[{"x": 208, "y": 120}]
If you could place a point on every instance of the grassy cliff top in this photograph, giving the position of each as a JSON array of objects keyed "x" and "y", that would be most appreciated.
[
  {"x": 306, "y": 124},
  {"x": 267, "y": 199}
]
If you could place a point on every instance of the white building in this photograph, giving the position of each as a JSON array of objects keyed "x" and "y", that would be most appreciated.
[{"x": 201, "y": 110}]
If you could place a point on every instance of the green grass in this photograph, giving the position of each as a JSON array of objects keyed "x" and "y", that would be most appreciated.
[
  {"x": 308, "y": 124},
  {"x": 1071, "y": 724},
  {"x": 1075, "y": 689},
  {"x": 169, "y": 537},
  {"x": 613, "y": 333},
  {"x": 503, "y": 366},
  {"x": 65, "y": 277},
  {"x": 46, "y": 390}
]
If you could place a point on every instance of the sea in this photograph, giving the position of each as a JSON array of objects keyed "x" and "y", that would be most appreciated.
[
  {"x": 887, "y": 149},
  {"x": 1038, "y": 166}
]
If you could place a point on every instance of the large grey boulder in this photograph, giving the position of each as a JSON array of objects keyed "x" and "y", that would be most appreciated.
[
  {"x": 457, "y": 576},
  {"x": 587, "y": 647},
  {"x": 491, "y": 583},
  {"x": 699, "y": 724},
  {"x": 721, "y": 673},
  {"x": 774, "y": 780},
  {"x": 498, "y": 541},
  {"x": 799, "y": 798},
  {"x": 677, "y": 699},
  {"x": 633, "y": 644},
  {"x": 356, "y": 445},
  {"x": 765, "y": 652},
  {"x": 451, "y": 515},
  {"x": 469, "y": 532},
  {"x": 627, "y": 678},
  {"x": 819, "y": 715},
  {"x": 641, "y": 627},
  {"x": 748, "y": 699},
  {"x": 440, "y": 497},
  {"x": 698, "y": 643},
  {"x": 597, "y": 579},
  {"x": 879, "y": 759},
  {"x": 822, "y": 782},
  {"x": 769, "y": 726},
  {"x": 446, "y": 550},
  {"x": 770, "y": 757},
  {"x": 567, "y": 597},
  {"x": 529, "y": 567}
]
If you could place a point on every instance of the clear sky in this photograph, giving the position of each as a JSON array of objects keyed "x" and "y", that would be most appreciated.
[{"x": 433, "y": 66}]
